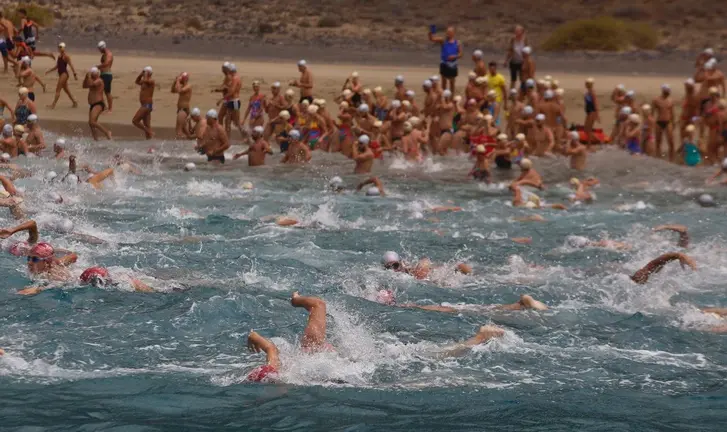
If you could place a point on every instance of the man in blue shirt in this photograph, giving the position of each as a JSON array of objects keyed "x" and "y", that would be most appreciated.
[{"x": 451, "y": 52}]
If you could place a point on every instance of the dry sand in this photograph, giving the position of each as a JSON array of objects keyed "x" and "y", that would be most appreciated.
[{"x": 205, "y": 75}]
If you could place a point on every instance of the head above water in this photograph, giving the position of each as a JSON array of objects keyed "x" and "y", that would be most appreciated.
[{"x": 706, "y": 200}]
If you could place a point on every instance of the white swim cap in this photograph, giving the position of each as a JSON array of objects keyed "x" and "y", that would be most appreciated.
[
  {"x": 343, "y": 105},
  {"x": 630, "y": 94},
  {"x": 626, "y": 111},
  {"x": 711, "y": 63},
  {"x": 665, "y": 87},
  {"x": 434, "y": 78},
  {"x": 19, "y": 129},
  {"x": 302, "y": 63},
  {"x": 25, "y": 60},
  {"x": 378, "y": 124},
  {"x": 363, "y": 108},
  {"x": 709, "y": 51},
  {"x": 526, "y": 164},
  {"x": 396, "y": 103},
  {"x": 312, "y": 109},
  {"x": 212, "y": 114},
  {"x": 32, "y": 118},
  {"x": 530, "y": 205},
  {"x": 346, "y": 92},
  {"x": 559, "y": 91},
  {"x": 378, "y": 90},
  {"x": 646, "y": 107},
  {"x": 457, "y": 99},
  {"x": 94, "y": 71},
  {"x": 527, "y": 50},
  {"x": 577, "y": 242},
  {"x": 635, "y": 118},
  {"x": 390, "y": 257},
  {"x": 60, "y": 142},
  {"x": 530, "y": 83},
  {"x": 101, "y": 45},
  {"x": 477, "y": 53},
  {"x": 294, "y": 134},
  {"x": 364, "y": 139},
  {"x": 528, "y": 110},
  {"x": 373, "y": 191},
  {"x": 233, "y": 68},
  {"x": 406, "y": 104},
  {"x": 427, "y": 84},
  {"x": 414, "y": 120},
  {"x": 520, "y": 137},
  {"x": 50, "y": 176},
  {"x": 367, "y": 91},
  {"x": 335, "y": 182},
  {"x": 289, "y": 93},
  {"x": 481, "y": 80},
  {"x": 258, "y": 130},
  {"x": 72, "y": 179},
  {"x": 447, "y": 93},
  {"x": 23, "y": 91},
  {"x": 8, "y": 130},
  {"x": 148, "y": 69},
  {"x": 690, "y": 128},
  {"x": 354, "y": 74},
  {"x": 575, "y": 136},
  {"x": 410, "y": 93},
  {"x": 55, "y": 197},
  {"x": 706, "y": 200},
  {"x": 195, "y": 112},
  {"x": 548, "y": 94},
  {"x": 190, "y": 167},
  {"x": 399, "y": 79},
  {"x": 246, "y": 185},
  {"x": 621, "y": 87},
  {"x": 690, "y": 82},
  {"x": 64, "y": 225},
  {"x": 4, "y": 157},
  {"x": 502, "y": 137},
  {"x": 540, "y": 117},
  {"x": 284, "y": 114}
]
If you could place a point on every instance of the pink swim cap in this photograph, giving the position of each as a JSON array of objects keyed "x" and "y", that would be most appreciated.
[
  {"x": 264, "y": 372},
  {"x": 42, "y": 250},
  {"x": 96, "y": 273},
  {"x": 386, "y": 297},
  {"x": 19, "y": 249}
]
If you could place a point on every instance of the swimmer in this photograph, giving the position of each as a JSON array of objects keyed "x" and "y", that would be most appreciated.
[
  {"x": 421, "y": 270},
  {"x": 528, "y": 176},
  {"x": 581, "y": 189},
  {"x": 314, "y": 335},
  {"x": 722, "y": 170},
  {"x": 577, "y": 152},
  {"x": 27, "y": 78},
  {"x": 10, "y": 198},
  {"x": 59, "y": 149},
  {"x": 706, "y": 200},
  {"x": 580, "y": 242},
  {"x": 681, "y": 229},
  {"x": 258, "y": 149},
  {"x": 526, "y": 302},
  {"x": 214, "y": 142},
  {"x": 305, "y": 83},
  {"x": 655, "y": 266},
  {"x": 182, "y": 87},
  {"x": 95, "y": 84},
  {"x": 34, "y": 140},
  {"x": 62, "y": 64},
  {"x": 298, "y": 152},
  {"x": 269, "y": 371},
  {"x": 376, "y": 190},
  {"x": 484, "y": 334},
  {"x": 96, "y": 178},
  {"x": 481, "y": 170},
  {"x": 363, "y": 156},
  {"x": 142, "y": 118}
]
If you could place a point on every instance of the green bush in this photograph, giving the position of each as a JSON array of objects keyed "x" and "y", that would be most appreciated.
[
  {"x": 43, "y": 16},
  {"x": 602, "y": 34}
]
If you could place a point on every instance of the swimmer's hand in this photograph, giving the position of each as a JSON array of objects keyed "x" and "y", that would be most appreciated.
[
  {"x": 687, "y": 260},
  {"x": 30, "y": 291},
  {"x": 5, "y": 233}
]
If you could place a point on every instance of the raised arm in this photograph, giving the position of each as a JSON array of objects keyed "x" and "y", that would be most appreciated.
[
  {"x": 681, "y": 229},
  {"x": 29, "y": 226},
  {"x": 8, "y": 185},
  {"x": 655, "y": 266}
]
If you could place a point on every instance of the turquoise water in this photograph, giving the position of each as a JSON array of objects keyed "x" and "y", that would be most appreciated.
[{"x": 609, "y": 355}]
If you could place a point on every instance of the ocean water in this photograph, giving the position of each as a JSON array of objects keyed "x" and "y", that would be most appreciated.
[{"x": 608, "y": 356}]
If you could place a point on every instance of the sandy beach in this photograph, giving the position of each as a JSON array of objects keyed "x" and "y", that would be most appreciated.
[{"x": 205, "y": 75}]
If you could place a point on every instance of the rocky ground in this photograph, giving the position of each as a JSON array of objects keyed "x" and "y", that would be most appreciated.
[{"x": 378, "y": 24}]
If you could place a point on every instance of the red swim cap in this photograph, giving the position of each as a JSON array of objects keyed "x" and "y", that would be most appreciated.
[
  {"x": 92, "y": 273},
  {"x": 42, "y": 250},
  {"x": 19, "y": 249},
  {"x": 265, "y": 372}
]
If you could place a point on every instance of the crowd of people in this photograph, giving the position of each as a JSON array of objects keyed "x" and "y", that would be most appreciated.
[{"x": 499, "y": 125}]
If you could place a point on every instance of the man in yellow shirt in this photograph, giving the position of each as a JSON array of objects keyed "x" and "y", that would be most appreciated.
[{"x": 496, "y": 82}]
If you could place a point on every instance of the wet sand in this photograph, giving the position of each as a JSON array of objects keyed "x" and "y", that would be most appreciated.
[{"x": 205, "y": 75}]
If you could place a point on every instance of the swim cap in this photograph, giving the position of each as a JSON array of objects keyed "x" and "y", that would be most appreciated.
[
  {"x": 528, "y": 110},
  {"x": 4, "y": 193},
  {"x": 526, "y": 164},
  {"x": 312, "y": 109},
  {"x": 72, "y": 179},
  {"x": 396, "y": 103},
  {"x": 486, "y": 117},
  {"x": 434, "y": 78},
  {"x": 378, "y": 90},
  {"x": 20, "y": 248},
  {"x": 195, "y": 112},
  {"x": 289, "y": 93},
  {"x": 259, "y": 129},
  {"x": 477, "y": 53},
  {"x": 690, "y": 128},
  {"x": 94, "y": 71},
  {"x": 665, "y": 87},
  {"x": 60, "y": 142},
  {"x": 302, "y": 63},
  {"x": 373, "y": 191},
  {"x": 305, "y": 103},
  {"x": 190, "y": 166},
  {"x": 385, "y": 297},
  {"x": 32, "y": 118},
  {"x": 321, "y": 103},
  {"x": 472, "y": 75},
  {"x": 335, "y": 182},
  {"x": 635, "y": 118},
  {"x": 710, "y": 64},
  {"x": 457, "y": 99},
  {"x": 530, "y": 205},
  {"x": 575, "y": 182},
  {"x": 399, "y": 79},
  {"x": 502, "y": 137},
  {"x": 415, "y": 121},
  {"x": 284, "y": 114},
  {"x": 520, "y": 137},
  {"x": 530, "y": 83},
  {"x": 212, "y": 114},
  {"x": 621, "y": 87},
  {"x": 548, "y": 94},
  {"x": 246, "y": 185},
  {"x": 56, "y": 197},
  {"x": 8, "y": 130},
  {"x": 480, "y": 148},
  {"x": 364, "y": 139},
  {"x": 51, "y": 175},
  {"x": 527, "y": 50},
  {"x": 148, "y": 69},
  {"x": 346, "y": 93},
  {"x": 630, "y": 94},
  {"x": 23, "y": 91},
  {"x": 19, "y": 129},
  {"x": 226, "y": 65},
  {"x": 706, "y": 200},
  {"x": 42, "y": 250},
  {"x": 447, "y": 94},
  {"x": 354, "y": 74},
  {"x": 101, "y": 45},
  {"x": 577, "y": 242},
  {"x": 646, "y": 107},
  {"x": 378, "y": 124},
  {"x": 367, "y": 91},
  {"x": 276, "y": 84},
  {"x": 427, "y": 84},
  {"x": 256, "y": 83},
  {"x": 689, "y": 82},
  {"x": 26, "y": 60},
  {"x": 4, "y": 157},
  {"x": 559, "y": 92},
  {"x": 709, "y": 51},
  {"x": 294, "y": 134},
  {"x": 712, "y": 91},
  {"x": 540, "y": 117},
  {"x": 390, "y": 257},
  {"x": 626, "y": 111},
  {"x": 590, "y": 80},
  {"x": 343, "y": 105},
  {"x": 233, "y": 68},
  {"x": 408, "y": 127},
  {"x": 263, "y": 373},
  {"x": 410, "y": 93},
  {"x": 65, "y": 226},
  {"x": 363, "y": 108},
  {"x": 95, "y": 276},
  {"x": 575, "y": 136}
]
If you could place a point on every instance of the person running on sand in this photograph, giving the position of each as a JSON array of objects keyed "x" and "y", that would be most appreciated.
[
  {"x": 142, "y": 118},
  {"x": 95, "y": 85},
  {"x": 451, "y": 51},
  {"x": 578, "y": 152},
  {"x": 421, "y": 270},
  {"x": 182, "y": 87},
  {"x": 107, "y": 61},
  {"x": 664, "y": 109},
  {"x": 304, "y": 83},
  {"x": 31, "y": 33},
  {"x": 34, "y": 140},
  {"x": 27, "y": 78},
  {"x": 642, "y": 275},
  {"x": 214, "y": 141},
  {"x": 298, "y": 151},
  {"x": 62, "y": 64},
  {"x": 526, "y": 302},
  {"x": 7, "y": 34},
  {"x": 258, "y": 149},
  {"x": 353, "y": 83}
]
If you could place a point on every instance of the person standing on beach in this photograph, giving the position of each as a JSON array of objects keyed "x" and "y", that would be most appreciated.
[
  {"x": 107, "y": 60},
  {"x": 528, "y": 67},
  {"x": 451, "y": 51},
  {"x": 305, "y": 83},
  {"x": 27, "y": 78},
  {"x": 142, "y": 118},
  {"x": 7, "y": 33},
  {"x": 514, "y": 57},
  {"x": 664, "y": 107},
  {"x": 62, "y": 64},
  {"x": 690, "y": 107},
  {"x": 182, "y": 87},
  {"x": 214, "y": 140},
  {"x": 593, "y": 111},
  {"x": 232, "y": 102},
  {"x": 95, "y": 86},
  {"x": 273, "y": 107}
]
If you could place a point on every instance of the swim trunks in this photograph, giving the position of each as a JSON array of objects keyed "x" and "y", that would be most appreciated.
[
  {"x": 107, "y": 77},
  {"x": 3, "y": 48},
  {"x": 233, "y": 105},
  {"x": 481, "y": 175},
  {"x": 148, "y": 106},
  {"x": 448, "y": 70},
  {"x": 31, "y": 96},
  {"x": 633, "y": 146},
  {"x": 99, "y": 103},
  {"x": 186, "y": 110},
  {"x": 503, "y": 162},
  {"x": 220, "y": 158}
]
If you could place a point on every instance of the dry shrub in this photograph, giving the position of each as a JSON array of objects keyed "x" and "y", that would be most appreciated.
[
  {"x": 329, "y": 21},
  {"x": 602, "y": 34},
  {"x": 40, "y": 14},
  {"x": 195, "y": 22}
]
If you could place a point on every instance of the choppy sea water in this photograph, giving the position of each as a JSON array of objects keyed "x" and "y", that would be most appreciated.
[{"x": 609, "y": 355}]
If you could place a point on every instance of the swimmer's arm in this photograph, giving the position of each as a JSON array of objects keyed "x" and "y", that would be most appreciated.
[
  {"x": 374, "y": 181},
  {"x": 257, "y": 343},
  {"x": 714, "y": 177},
  {"x": 29, "y": 226},
  {"x": 140, "y": 286},
  {"x": 225, "y": 142},
  {"x": 139, "y": 79},
  {"x": 642, "y": 275},
  {"x": 241, "y": 154},
  {"x": 435, "y": 39},
  {"x": 87, "y": 81},
  {"x": 445, "y": 309},
  {"x": 67, "y": 260},
  {"x": 681, "y": 229},
  {"x": 8, "y": 185},
  {"x": 37, "y": 78},
  {"x": 718, "y": 311}
]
